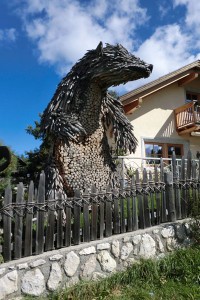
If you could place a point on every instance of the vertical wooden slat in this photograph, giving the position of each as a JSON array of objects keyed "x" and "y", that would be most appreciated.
[
  {"x": 59, "y": 242},
  {"x": 108, "y": 231},
  {"x": 176, "y": 187},
  {"x": 68, "y": 223},
  {"x": 29, "y": 222},
  {"x": 7, "y": 225},
  {"x": 163, "y": 194},
  {"x": 188, "y": 178},
  {"x": 77, "y": 214},
  {"x": 102, "y": 214},
  {"x": 183, "y": 190},
  {"x": 122, "y": 215},
  {"x": 19, "y": 222},
  {"x": 152, "y": 197},
  {"x": 49, "y": 241},
  {"x": 134, "y": 204},
  {"x": 40, "y": 215},
  {"x": 140, "y": 202},
  {"x": 86, "y": 219},
  {"x": 94, "y": 213},
  {"x": 116, "y": 217},
  {"x": 146, "y": 199},
  {"x": 170, "y": 197},
  {"x": 194, "y": 189},
  {"x": 157, "y": 194},
  {"x": 129, "y": 210}
]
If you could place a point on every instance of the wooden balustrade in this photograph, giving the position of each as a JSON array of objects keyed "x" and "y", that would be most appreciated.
[{"x": 187, "y": 118}]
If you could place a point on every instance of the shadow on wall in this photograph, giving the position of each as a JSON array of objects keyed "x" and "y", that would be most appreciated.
[{"x": 168, "y": 128}]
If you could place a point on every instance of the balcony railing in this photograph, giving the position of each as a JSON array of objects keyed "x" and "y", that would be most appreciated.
[{"x": 187, "y": 117}]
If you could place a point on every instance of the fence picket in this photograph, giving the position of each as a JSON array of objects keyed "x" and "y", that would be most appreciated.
[
  {"x": 94, "y": 213},
  {"x": 158, "y": 195},
  {"x": 40, "y": 215},
  {"x": 188, "y": 181},
  {"x": 122, "y": 213},
  {"x": 129, "y": 209},
  {"x": 59, "y": 241},
  {"x": 152, "y": 201},
  {"x": 183, "y": 190},
  {"x": 177, "y": 195},
  {"x": 163, "y": 195},
  {"x": 7, "y": 224},
  {"x": 140, "y": 201},
  {"x": 68, "y": 223},
  {"x": 86, "y": 219},
  {"x": 77, "y": 215},
  {"x": 146, "y": 199},
  {"x": 101, "y": 198},
  {"x": 29, "y": 222},
  {"x": 108, "y": 231},
  {"x": 134, "y": 204},
  {"x": 170, "y": 197},
  {"x": 49, "y": 241},
  {"x": 116, "y": 216},
  {"x": 18, "y": 222}
]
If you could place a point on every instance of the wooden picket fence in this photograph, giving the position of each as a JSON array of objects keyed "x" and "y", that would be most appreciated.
[{"x": 35, "y": 225}]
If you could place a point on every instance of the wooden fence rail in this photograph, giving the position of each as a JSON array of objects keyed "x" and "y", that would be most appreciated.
[{"x": 32, "y": 224}]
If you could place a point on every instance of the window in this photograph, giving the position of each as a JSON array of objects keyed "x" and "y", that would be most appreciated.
[
  {"x": 190, "y": 96},
  {"x": 163, "y": 150}
]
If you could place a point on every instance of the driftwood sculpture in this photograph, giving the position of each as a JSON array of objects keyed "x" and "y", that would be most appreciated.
[
  {"x": 5, "y": 157},
  {"x": 78, "y": 117}
]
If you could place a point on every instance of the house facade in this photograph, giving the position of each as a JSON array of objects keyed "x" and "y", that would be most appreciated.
[{"x": 165, "y": 114}]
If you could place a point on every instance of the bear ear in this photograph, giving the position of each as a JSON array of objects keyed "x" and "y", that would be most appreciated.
[{"x": 99, "y": 49}]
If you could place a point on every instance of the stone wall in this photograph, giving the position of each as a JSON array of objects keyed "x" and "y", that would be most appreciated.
[{"x": 38, "y": 275}]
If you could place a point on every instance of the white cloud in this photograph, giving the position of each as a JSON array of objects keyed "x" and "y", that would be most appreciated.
[
  {"x": 8, "y": 34},
  {"x": 64, "y": 29},
  {"x": 192, "y": 19}
]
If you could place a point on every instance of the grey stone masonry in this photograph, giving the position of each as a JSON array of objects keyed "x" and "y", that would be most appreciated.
[{"x": 39, "y": 275}]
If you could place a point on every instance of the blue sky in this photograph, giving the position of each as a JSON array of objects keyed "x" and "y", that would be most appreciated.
[{"x": 40, "y": 40}]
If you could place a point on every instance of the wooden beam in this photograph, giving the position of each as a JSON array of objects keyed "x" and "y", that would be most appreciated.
[
  {"x": 189, "y": 130},
  {"x": 188, "y": 79},
  {"x": 129, "y": 108}
]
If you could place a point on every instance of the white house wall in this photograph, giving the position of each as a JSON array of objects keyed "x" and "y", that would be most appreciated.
[{"x": 154, "y": 120}]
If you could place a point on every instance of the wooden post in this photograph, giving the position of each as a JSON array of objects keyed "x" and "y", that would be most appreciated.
[
  {"x": 140, "y": 202},
  {"x": 40, "y": 215},
  {"x": 163, "y": 194},
  {"x": 101, "y": 197},
  {"x": 19, "y": 222},
  {"x": 183, "y": 190},
  {"x": 49, "y": 241},
  {"x": 134, "y": 204},
  {"x": 146, "y": 199},
  {"x": 7, "y": 224},
  {"x": 170, "y": 197},
  {"x": 122, "y": 215},
  {"x": 108, "y": 211},
  {"x": 94, "y": 213},
  {"x": 29, "y": 222},
  {"x": 86, "y": 219},
  {"x": 188, "y": 178},
  {"x": 116, "y": 217},
  {"x": 77, "y": 214},
  {"x": 158, "y": 195},
  {"x": 176, "y": 187},
  {"x": 59, "y": 242}
]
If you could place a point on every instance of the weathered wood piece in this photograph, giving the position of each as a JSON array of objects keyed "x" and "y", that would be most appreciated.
[
  {"x": 188, "y": 182},
  {"x": 59, "y": 240},
  {"x": 68, "y": 223},
  {"x": 158, "y": 195},
  {"x": 140, "y": 201},
  {"x": 146, "y": 199},
  {"x": 108, "y": 230},
  {"x": 40, "y": 215},
  {"x": 94, "y": 213},
  {"x": 49, "y": 241},
  {"x": 77, "y": 215},
  {"x": 122, "y": 212},
  {"x": 134, "y": 204},
  {"x": 183, "y": 189},
  {"x": 7, "y": 220},
  {"x": 86, "y": 218},
  {"x": 116, "y": 217},
  {"x": 18, "y": 221},
  {"x": 168, "y": 178},
  {"x": 29, "y": 222},
  {"x": 163, "y": 194},
  {"x": 176, "y": 187},
  {"x": 101, "y": 198}
]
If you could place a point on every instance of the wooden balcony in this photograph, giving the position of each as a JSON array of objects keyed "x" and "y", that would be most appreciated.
[{"x": 187, "y": 118}]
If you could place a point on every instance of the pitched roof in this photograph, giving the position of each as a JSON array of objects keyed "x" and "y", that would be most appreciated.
[{"x": 157, "y": 84}]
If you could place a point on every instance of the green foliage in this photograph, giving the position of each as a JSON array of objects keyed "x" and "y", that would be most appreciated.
[{"x": 6, "y": 175}]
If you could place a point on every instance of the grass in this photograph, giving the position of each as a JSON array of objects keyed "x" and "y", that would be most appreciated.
[{"x": 175, "y": 277}]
